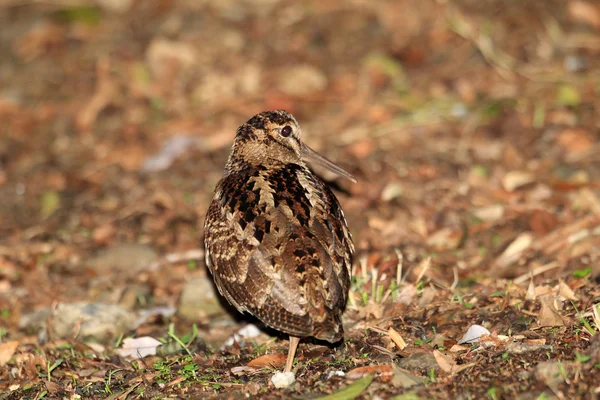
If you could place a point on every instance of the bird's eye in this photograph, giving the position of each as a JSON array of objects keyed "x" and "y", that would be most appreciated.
[{"x": 286, "y": 131}]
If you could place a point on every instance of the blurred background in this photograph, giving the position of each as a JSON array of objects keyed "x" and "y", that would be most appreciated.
[{"x": 471, "y": 125}]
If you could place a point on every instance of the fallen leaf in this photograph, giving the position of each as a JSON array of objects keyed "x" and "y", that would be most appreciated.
[
  {"x": 138, "y": 347},
  {"x": 490, "y": 340},
  {"x": 530, "y": 295},
  {"x": 406, "y": 294},
  {"x": 548, "y": 316},
  {"x": 516, "y": 179},
  {"x": 575, "y": 140},
  {"x": 458, "y": 347},
  {"x": 445, "y": 362},
  {"x": 405, "y": 379},
  {"x": 473, "y": 334},
  {"x": 374, "y": 309},
  {"x": 7, "y": 350},
  {"x": 489, "y": 213},
  {"x": 49, "y": 203},
  {"x": 542, "y": 222},
  {"x": 566, "y": 292},
  {"x": 397, "y": 339},
  {"x": 515, "y": 249},
  {"x": 267, "y": 360},
  {"x": 242, "y": 370},
  {"x": 427, "y": 296},
  {"x": 391, "y": 191},
  {"x": 584, "y": 12},
  {"x": 351, "y": 391},
  {"x": 568, "y": 96},
  {"x": 383, "y": 372}
]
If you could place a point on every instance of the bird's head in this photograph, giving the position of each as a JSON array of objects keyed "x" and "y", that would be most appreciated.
[{"x": 273, "y": 138}]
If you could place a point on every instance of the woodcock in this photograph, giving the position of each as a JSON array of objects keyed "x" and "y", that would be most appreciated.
[{"x": 276, "y": 239}]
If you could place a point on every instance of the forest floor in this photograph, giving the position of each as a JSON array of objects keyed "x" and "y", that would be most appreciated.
[{"x": 472, "y": 127}]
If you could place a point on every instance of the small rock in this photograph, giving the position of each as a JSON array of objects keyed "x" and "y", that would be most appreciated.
[
  {"x": 35, "y": 321},
  {"x": 550, "y": 373},
  {"x": 199, "y": 300},
  {"x": 404, "y": 380},
  {"x": 87, "y": 321},
  {"x": 522, "y": 348},
  {"x": 90, "y": 321},
  {"x": 124, "y": 258},
  {"x": 102, "y": 322},
  {"x": 419, "y": 362},
  {"x": 283, "y": 379}
]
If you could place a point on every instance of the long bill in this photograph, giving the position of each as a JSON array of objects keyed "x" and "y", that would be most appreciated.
[{"x": 310, "y": 155}]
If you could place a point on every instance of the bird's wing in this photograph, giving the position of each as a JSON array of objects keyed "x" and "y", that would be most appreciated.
[{"x": 291, "y": 274}]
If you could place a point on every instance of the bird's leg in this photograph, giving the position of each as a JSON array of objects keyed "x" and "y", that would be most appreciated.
[{"x": 291, "y": 353}]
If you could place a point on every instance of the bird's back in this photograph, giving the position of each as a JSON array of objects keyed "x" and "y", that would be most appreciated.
[{"x": 279, "y": 248}]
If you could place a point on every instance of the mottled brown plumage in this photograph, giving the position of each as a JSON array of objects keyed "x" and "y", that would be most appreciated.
[{"x": 276, "y": 239}]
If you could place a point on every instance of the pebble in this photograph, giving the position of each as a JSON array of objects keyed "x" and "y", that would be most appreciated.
[
  {"x": 125, "y": 258},
  {"x": 283, "y": 379},
  {"x": 199, "y": 300},
  {"x": 96, "y": 322}
]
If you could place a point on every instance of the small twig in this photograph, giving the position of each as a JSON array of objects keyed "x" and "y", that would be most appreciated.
[
  {"x": 536, "y": 271},
  {"x": 173, "y": 258},
  {"x": 425, "y": 264},
  {"x": 455, "y": 281},
  {"x": 399, "y": 266}
]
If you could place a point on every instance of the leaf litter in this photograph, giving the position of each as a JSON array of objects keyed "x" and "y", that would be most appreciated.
[{"x": 473, "y": 133}]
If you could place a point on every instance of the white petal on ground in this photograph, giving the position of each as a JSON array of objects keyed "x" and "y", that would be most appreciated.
[
  {"x": 283, "y": 379},
  {"x": 473, "y": 334},
  {"x": 331, "y": 374},
  {"x": 248, "y": 332},
  {"x": 138, "y": 347}
]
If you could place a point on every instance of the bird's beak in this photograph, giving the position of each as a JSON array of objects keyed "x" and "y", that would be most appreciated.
[{"x": 310, "y": 155}]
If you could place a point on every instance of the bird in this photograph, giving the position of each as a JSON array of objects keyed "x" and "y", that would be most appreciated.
[{"x": 276, "y": 240}]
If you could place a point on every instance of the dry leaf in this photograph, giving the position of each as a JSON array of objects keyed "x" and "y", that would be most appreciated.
[
  {"x": 374, "y": 309},
  {"x": 242, "y": 370},
  {"x": 548, "y": 316},
  {"x": 542, "y": 222},
  {"x": 458, "y": 347},
  {"x": 491, "y": 340},
  {"x": 427, "y": 296},
  {"x": 138, "y": 347},
  {"x": 406, "y": 294},
  {"x": 397, "y": 339},
  {"x": 530, "y": 295},
  {"x": 382, "y": 372},
  {"x": 582, "y": 11},
  {"x": 515, "y": 249},
  {"x": 473, "y": 334},
  {"x": 489, "y": 213},
  {"x": 268, "y": 360},
  {"x": 566, "y": 292},
  {"x": 7, "y": 350},
  {"x": 446, "y": 363},
  {"x": 516, "y": 179}
]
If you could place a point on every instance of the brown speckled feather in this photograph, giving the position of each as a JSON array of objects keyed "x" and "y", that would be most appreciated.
[{"x": 277, "y": 242}]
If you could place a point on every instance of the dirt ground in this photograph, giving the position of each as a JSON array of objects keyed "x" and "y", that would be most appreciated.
[{"x": 472, "y": 127}]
